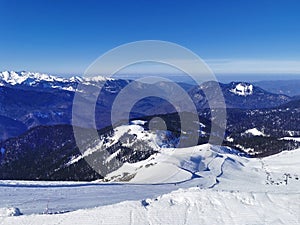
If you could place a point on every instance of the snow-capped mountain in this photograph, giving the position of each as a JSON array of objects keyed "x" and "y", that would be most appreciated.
[
  {"x": 258, "y": 122},
  {"x": 42, "y": 80},
  {"x": 237, "y": 95},
  {"x": 33, "y": 99},
  {"x": 242, "y": 89},
  {"x": 29, "y": 78}
]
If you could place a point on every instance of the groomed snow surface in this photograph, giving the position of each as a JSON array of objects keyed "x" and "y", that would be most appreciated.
[{"x": 216, "y": 186}]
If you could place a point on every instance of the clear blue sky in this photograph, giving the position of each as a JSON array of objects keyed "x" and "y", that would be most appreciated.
[{"x": 64, "y": 37}]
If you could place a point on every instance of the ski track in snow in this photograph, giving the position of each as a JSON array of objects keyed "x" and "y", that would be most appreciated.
[{"x": 233, "y": 190}]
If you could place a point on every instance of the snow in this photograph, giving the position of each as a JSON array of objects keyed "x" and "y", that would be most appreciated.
[
  {"x": 138, "y": 122},
  {"x": 168, "y": 166},
  {"x": 88, "y": 151},
  {"x": 291, "y": 132},
  {"x": 291, "y": 138},
  {"x": 31, "y": 79},
  {"x": 10, "y": 211},
  {"x": 200, "y": 124},
  {"x": 230, "y": 139},
  {"x": 37, "y": 197},
  {"x": 136, "y": 130},
  {"x": 184, "y": 206},
  {"x": 242, "y": 89},
  {"x": 254, "y": 132},
  {"x": 247, "y": 150},
  {"x": 72, "y": 89},
  {"x": 118, "y": 132},
  {"x": 13, "y": 78},
  {"x": 209, "y": 166},
  {"x": 177, "y": 165},
  {"x": 97, "y": 79},
  {"x": 76, "y": 79},
  {"x": 203, "y": 184}
]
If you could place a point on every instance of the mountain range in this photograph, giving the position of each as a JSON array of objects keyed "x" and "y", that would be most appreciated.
[{"x": 36, "y": 123}]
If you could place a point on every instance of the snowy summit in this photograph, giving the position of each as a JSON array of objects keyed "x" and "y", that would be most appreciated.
[
  {"x": 14, "y": 78},
  {"x": 242, "y": 89}
]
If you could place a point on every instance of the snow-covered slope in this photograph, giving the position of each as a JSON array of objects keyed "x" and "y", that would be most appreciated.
[
  {"x": 209, "y": 166},
  {"x": 231, "y": 190},
  {"x": 190, "y": 206},
  {"x": 179, "y": 165},
  {"x": 132, "y": 137}
]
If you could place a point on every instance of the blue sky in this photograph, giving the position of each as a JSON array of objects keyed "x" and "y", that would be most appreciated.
[{"x": 64, "y": 37}]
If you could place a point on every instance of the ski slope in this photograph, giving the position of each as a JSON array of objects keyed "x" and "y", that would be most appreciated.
[
  {"x": 189, "y": 206},
  {"x": 216, "y": 186},
  {"x": 209, "y": 166}
]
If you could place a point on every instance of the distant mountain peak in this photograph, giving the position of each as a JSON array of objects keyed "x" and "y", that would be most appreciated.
[
  {"x": 242, "y": 89},
  {"x": 42, "y": 80},
  {"x": 14, "y": 78}
]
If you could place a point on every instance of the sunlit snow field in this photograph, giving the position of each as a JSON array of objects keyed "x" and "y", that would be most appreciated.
[{"x": 216, "y": 186}]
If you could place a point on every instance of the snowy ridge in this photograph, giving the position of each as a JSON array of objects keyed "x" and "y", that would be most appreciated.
[
  {"x": 13, "y": 78},
  {"x": 34, "y": 79}
]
